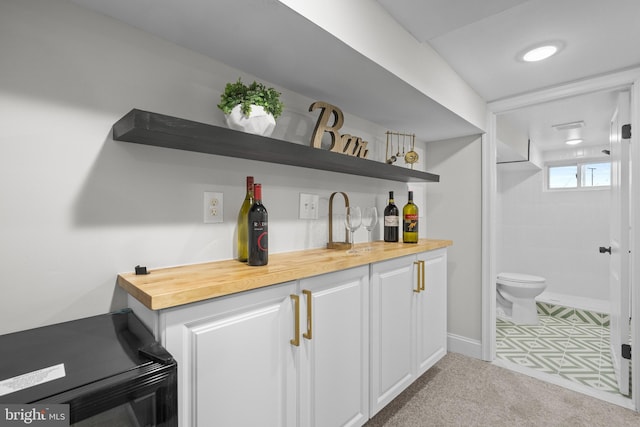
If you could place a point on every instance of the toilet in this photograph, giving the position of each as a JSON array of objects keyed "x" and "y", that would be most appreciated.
[{"x": 516, "y": 297}]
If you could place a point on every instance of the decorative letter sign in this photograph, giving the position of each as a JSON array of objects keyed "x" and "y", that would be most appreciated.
[{"x": 345, "y": 144}]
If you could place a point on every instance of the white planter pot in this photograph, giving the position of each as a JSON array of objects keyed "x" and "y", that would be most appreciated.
[{"x": 259, "y": 121}]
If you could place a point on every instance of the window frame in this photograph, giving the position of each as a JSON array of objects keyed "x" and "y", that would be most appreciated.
[{"x": 579, "y": 164}]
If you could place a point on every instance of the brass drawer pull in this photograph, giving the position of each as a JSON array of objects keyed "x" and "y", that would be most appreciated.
[
  {"x": 418, "y": 284},
  {"x": 296, "y": 302},
  {"x": 308, "y": 334}
]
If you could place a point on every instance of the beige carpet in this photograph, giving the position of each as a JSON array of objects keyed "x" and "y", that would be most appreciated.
[{"x": 461, "y": 391}]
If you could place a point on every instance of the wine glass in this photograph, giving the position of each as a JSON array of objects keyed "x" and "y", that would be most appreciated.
[
  {"x": 369, "y": 221},
  {"x": 353, "y": 220}
]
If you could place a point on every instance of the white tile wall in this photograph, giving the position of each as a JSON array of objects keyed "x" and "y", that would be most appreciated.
[{"x": 553, "y": 234}]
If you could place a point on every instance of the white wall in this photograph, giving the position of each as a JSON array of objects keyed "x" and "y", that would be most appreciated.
[
  {"x": 455, "y": 212},
  {"x": 367, "y": 28},
  {"x": 78, "y": 208},
  {"x": 553, "y": 234}
]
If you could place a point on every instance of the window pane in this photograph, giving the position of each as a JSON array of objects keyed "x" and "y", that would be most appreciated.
[
  {"x": 596, "y": 174},
  {"x": 563, "y": 177}
]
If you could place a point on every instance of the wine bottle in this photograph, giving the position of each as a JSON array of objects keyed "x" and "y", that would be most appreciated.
[
  {"x": 258, "y": 230},
  {"x": 410, "y": 221},
  {"x": 243, "y": 222},
  {"x": 391, "y": 221}
]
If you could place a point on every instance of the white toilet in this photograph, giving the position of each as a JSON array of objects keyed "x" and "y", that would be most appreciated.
[{"x": 515, "y": 297}]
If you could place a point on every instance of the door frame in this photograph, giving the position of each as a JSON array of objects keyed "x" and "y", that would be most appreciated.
[{"x": 620, "y": 80}]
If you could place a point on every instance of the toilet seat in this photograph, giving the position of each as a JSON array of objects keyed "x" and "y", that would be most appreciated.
[{"x": 516, "y": 278}]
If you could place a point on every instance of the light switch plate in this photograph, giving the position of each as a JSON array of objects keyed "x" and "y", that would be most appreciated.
[{"x": 213, "y": 207}]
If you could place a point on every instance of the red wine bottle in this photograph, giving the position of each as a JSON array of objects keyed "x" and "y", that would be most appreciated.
[
  {"x": 391, "y": 221},
  {"x": 258, "y": 230}
]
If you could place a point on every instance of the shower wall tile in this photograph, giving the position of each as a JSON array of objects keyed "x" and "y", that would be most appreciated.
[
  {"x": 544, "y": 308},
  {"x": 590, "y": 317},
  {"x": 574, "y": 315},
  {"x": 555, "y": 235}
]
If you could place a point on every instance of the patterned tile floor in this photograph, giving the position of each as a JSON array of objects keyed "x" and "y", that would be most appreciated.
[{"x": 570, "y": 343}]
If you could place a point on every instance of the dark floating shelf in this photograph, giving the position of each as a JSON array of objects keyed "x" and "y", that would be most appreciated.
[{"x": 143, "y": 127}]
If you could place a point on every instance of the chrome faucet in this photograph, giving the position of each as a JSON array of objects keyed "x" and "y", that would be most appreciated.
[{"x": 332, "y": 244}]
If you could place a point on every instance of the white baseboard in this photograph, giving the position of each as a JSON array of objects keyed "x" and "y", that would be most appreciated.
[{"x": 465, "y": 346}]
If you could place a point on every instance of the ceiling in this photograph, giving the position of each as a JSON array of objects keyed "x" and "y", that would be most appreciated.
[
  {"x": 479, "y": 39},
  {"x": 537, "y": 122}
]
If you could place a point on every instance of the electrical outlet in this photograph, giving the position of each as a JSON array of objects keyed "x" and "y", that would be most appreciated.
[
  {"x": 213, "y": 207},
  {"x": 309, "y": 206}
]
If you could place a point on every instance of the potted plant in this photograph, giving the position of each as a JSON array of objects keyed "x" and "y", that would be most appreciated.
[{"x": 252, "y": 108}]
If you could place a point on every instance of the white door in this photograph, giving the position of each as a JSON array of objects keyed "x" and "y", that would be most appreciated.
[
  {"x": 431, "y": 310},
  {"x": 335, "y": 343},
  {"x": 393, "y": 285},
  {"x": 619, "y": 240},
  {"x": 236, "y": 364}
]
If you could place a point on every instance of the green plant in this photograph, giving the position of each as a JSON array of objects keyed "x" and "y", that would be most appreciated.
[{"x": 256, "y": 93}]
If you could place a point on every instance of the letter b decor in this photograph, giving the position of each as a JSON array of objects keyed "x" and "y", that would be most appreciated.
[{"x": 345, "y": 144}]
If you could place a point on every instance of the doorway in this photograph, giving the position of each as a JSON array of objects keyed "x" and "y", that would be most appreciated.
[
  {"x": 554, "y": 232},
  {"x": 490, "y": 267}
]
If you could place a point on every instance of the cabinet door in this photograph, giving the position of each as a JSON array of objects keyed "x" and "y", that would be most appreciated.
[
  {"x": 335, "y": 349},
  {"x": 237, "y": 366},
  {"x": 393, "y": 284},
  {"x": 431, "y": 341}
]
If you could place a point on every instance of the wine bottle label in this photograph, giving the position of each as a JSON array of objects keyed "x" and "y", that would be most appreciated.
[
  {"x": 411, "y": 223},
  {"x": 259, "y": 231},
  {"x": 391, "y": 221},
  {"x": 262, "y": 242}
]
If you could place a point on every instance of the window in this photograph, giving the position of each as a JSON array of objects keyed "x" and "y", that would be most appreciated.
[
  {"x": 596, "y": 174},
  {"x": 563, "y": 176},
  {"x": 579, "y": 175}
]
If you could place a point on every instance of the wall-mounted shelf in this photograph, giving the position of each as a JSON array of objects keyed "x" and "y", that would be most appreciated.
[{"x": 143, "y": 127}]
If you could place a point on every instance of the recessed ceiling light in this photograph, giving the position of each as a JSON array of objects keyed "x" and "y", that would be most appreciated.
[
  {"x": 540, "y": 51},
  {"x": 573, "y": 141}
]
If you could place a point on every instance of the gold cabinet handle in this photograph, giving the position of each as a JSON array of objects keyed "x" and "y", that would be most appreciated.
[
  {"x": 296, "y": 304},
  {"x": 307, "y": 294},
  {"x": 422, "y": 263},
  {"x": 419, "y": 281}
]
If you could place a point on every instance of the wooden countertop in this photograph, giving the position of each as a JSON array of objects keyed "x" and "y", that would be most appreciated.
[{"x": 174, "y": 286}]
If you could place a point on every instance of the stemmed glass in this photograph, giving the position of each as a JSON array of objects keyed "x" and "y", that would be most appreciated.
[
  {"x": 369, "y": 221},
  {"x": 353, "y": 220}
]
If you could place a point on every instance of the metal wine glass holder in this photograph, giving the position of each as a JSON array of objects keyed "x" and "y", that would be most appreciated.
[{"x": 331, "y": 244}]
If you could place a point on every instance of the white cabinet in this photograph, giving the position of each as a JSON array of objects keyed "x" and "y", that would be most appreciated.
[
  {"x": 324, "y": 351},
  {"x": 392, "y": 329},
  {"x": 242, "y": 363},
  {"x": 235, "y": 361},
  {"x": 335, "y": 349},
  {"x": 431, "y": 324},
  {"x": 408, "y": 322}
]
